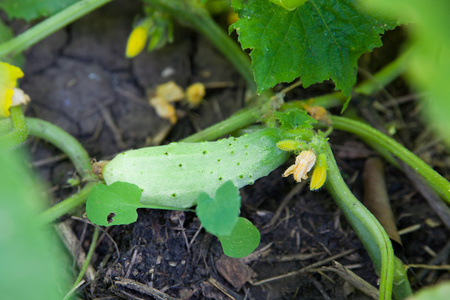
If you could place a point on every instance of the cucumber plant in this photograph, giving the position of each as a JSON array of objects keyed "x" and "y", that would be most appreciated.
[
  {"x": 181, "y": 175},
  {"x": 311, "y": 39}
]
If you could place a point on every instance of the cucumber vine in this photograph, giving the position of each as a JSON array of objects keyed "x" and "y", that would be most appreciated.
[{"x": 312, "y": 40}]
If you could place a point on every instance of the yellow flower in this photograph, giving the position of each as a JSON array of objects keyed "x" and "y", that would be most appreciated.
[
  {"x": 195, "y": 93},
  {"x": 303, "y": 164},
  {"x": 319, "y": 174},
  {"x": 138, "y": 38},
  {"x": 8, "y": 77}
]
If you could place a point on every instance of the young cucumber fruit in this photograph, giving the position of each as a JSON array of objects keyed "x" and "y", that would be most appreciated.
[{"x": 173, "y": 176}]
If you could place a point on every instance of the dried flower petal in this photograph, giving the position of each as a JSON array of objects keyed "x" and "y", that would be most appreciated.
[
  {"x": 170, "y": 91},
  {"x": 19, "y": 97},
  {"x": 164, "y": 109},
  {"x": 303, "y": 164}
]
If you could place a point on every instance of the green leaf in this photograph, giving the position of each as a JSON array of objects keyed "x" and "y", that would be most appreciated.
[
  {"x": 289, "y": 4},
  {"x": 29, "y": 251},
  {"x": 437, "y": 292},
  {"x": 429, "y": 61},
  {"x": 33, "y": 9},
  {"x": 295, "y": 119},
  {"x": 219, "y": 215},
  {"x": 6, "y": 34},
  {"x": 242, "y": 241},
  {"x": 319, "y": 40},
  {"x": 113, "y": 204}
]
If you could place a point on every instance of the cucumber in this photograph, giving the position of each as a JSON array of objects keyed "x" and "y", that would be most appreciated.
[{"x": 173, "y": 176}]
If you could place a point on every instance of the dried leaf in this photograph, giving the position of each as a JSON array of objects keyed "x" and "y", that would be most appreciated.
[
  {"x": 234, "y": 271},
  {"x": 376, "y": 198}
]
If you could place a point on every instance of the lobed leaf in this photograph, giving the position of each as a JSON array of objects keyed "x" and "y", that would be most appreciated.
[
  {"x": 317, "y": 41},
  {"x": 295, "y": 119}
]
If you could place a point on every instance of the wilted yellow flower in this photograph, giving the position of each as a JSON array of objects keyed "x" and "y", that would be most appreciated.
[
  {"x": 19, "y": 97},
  {"x": 8, "y": 77},
  {"x": 170, "y": 91},
  {"x": 303, "y": 164},
  {"x": 195, "y": 93},
  {"x": 138, "y": 38},
  {"x": 319, "y": 174},
  {"x": 164, "y": 109}
]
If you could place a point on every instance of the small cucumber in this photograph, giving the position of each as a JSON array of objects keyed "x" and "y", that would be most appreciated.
[{"x": 173, "y": 176}]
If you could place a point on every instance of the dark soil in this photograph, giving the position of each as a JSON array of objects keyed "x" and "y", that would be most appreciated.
[{"x": 79, "y": 79}]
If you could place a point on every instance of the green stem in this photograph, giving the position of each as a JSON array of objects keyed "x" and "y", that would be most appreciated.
[
  {"x": 63, "y": 207},
  {"x": 366, "y": 226},
  {"x": 65, "y": 142},
  {"x": 197, "y": 17},
  {"x": 62, "y": 140},
  {"x": 244, "y": 118},
  {"x": 259, "y": 108},
  {"x": 385, "y": 76},
  {"x": 5, "y": 127},
  {"x": 369, "y": 86},
  {"x": 436, "y": 181},
  {"x": 88, "y": 256},
  {"x": 401, "y": 288},
  {"x": 86, "y": 262},
  {"x": 19, "y": 132},
  {"x": 48, "y": 26}
]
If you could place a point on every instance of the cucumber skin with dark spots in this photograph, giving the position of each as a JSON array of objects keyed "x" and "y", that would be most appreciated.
[{"x": 174, "y": 175}]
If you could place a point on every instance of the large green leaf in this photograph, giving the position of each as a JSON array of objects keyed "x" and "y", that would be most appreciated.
[
  {"x": 31, "y": 259},
  {"x": 429, "y": 67},
  {"x": 319, "y": 40},
  {"x": 33, "y": 9}
]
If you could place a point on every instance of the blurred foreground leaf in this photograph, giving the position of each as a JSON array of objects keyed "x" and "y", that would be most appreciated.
[
  {"x": 30, "y": 257},
  {"x": 6, "y": 34},
  {"x": 429, "y": 67},
  {"x": 439, "y": 291}
]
